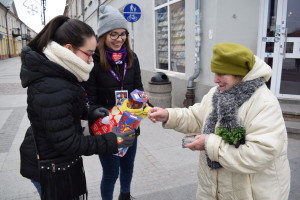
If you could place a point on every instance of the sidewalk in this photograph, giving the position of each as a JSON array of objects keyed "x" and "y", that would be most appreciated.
[{"x": 163, "y": 169}]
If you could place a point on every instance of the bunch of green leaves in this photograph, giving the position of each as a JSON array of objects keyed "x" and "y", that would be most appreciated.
[{"x": 232, "y": 136}]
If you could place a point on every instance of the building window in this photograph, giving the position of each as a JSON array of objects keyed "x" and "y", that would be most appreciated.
[
  {"x": 160, "y": 2},
  {"x": 170, "y": 35}
]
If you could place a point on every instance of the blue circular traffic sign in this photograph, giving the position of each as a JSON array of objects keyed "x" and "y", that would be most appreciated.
[{"x": 132, "y": 12}]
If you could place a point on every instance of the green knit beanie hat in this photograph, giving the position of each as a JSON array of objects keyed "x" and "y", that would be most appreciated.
[{"x": 233, "y": 59}]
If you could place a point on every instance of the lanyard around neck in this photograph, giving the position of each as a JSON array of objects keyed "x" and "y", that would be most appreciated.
[{"x": 120, "y": 79}]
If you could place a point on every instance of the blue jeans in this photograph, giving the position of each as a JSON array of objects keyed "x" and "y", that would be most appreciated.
[
  {"x": 111, "y": 166},
  {"x": 37, "y": 186}
]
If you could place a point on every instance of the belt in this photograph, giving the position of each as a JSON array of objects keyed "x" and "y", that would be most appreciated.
[{"x": 60, "y": 164}]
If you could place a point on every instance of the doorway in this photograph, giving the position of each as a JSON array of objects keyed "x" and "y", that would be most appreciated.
[{"x": 280, "y": 46}]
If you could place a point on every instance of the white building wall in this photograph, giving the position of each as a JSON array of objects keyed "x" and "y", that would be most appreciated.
[
  {"x": 90, "y": 14},
  {"x": 237, "y": 21},
  {"x": 233, "y": 21}
]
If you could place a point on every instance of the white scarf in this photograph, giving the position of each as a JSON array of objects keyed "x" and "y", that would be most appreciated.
[{"x": 68, "y": 60}]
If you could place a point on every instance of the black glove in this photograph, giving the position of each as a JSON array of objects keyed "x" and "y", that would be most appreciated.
[
  {"x": 97, "y": 113},
  {"x": 124, "y": 139}
]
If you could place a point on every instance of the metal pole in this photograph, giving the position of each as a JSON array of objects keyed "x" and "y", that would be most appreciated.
[
  {"x": 98, "y": 15},
  {"x": 98, "y": 12},
  {"x": 132, "y": 37},
  {"x": 43, "y": 12},
  {"x": 82, "y": 11},
  {"x": 8, "y": 46},
  {"x": 21, "y": 31}
]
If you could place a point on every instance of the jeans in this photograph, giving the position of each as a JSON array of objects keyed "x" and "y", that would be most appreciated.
[
  {"x": 37, "y": 186},
  {"x": 111, "y": 166}
]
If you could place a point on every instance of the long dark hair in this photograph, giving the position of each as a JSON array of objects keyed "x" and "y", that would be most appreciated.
[
  {"x": 62, "y": 30},
  {"x": 104, "y": 64}
]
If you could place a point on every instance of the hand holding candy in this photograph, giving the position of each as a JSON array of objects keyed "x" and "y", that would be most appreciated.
[{"x": 124, "y": 139}]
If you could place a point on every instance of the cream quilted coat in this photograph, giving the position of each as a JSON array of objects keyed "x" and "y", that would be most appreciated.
[{"x": 257, "y": 170}]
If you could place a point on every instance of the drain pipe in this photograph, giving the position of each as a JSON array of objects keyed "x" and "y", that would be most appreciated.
[
  {"x": 190, "y": 93},
  {"x": 98, "y": 12}
]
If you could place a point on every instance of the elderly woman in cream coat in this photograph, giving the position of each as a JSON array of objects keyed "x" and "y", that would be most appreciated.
[{"x": 242, "y": 136}]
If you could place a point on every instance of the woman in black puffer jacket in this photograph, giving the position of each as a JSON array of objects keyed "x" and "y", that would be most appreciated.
[{"x": 54, "y": 64}]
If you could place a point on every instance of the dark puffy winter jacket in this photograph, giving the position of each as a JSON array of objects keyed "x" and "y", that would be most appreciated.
[{"x": 56, "y": 105}]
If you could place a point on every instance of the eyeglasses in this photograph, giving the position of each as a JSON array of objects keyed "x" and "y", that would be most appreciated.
[
  {"x": 115, "y": 35},
  {"x": 89, "y": 55}
]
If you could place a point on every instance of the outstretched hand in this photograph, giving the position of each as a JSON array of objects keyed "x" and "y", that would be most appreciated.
[{"x": 157, "y": 114}]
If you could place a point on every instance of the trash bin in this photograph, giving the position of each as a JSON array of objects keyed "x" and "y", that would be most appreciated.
[{"x": 160, "y": 90}]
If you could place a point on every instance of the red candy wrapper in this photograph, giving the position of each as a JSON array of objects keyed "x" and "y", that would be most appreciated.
[
  {"x": 122, "y": 152},
  {"x": 128, "y": 121},
  {"x": 139, "y": 96},
  {"x": 125, "y": 121},
  {"x": 100, "y": 128},
  {"x": 115, "y": 115}
]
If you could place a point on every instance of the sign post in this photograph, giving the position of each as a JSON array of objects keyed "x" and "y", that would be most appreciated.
[{"x": 132, "y": 13}]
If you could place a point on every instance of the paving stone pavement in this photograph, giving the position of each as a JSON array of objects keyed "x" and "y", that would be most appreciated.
[{"x": 163, "y": 169}]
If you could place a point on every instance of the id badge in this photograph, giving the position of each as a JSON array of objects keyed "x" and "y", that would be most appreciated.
[{"x": 121, "y": 96}]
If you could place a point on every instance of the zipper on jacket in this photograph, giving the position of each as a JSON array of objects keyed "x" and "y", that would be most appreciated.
[{"x": 53, "y": 167}]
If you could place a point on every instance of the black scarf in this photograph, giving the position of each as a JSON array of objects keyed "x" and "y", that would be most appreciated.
[{"x": 225, "y": 108}]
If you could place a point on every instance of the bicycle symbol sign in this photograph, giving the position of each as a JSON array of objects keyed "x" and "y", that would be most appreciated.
[{"x": 132, "y": 12}]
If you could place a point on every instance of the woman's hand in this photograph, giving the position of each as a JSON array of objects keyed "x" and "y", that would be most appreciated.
[
  {"x": 158, "y": 114},
  {"x": 198, "y": 144}
]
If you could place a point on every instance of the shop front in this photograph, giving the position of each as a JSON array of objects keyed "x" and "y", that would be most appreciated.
[{"x": 279, "y": 45}]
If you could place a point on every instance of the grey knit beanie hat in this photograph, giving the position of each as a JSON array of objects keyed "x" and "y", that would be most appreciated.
[{"x": 110, "y": 18}]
